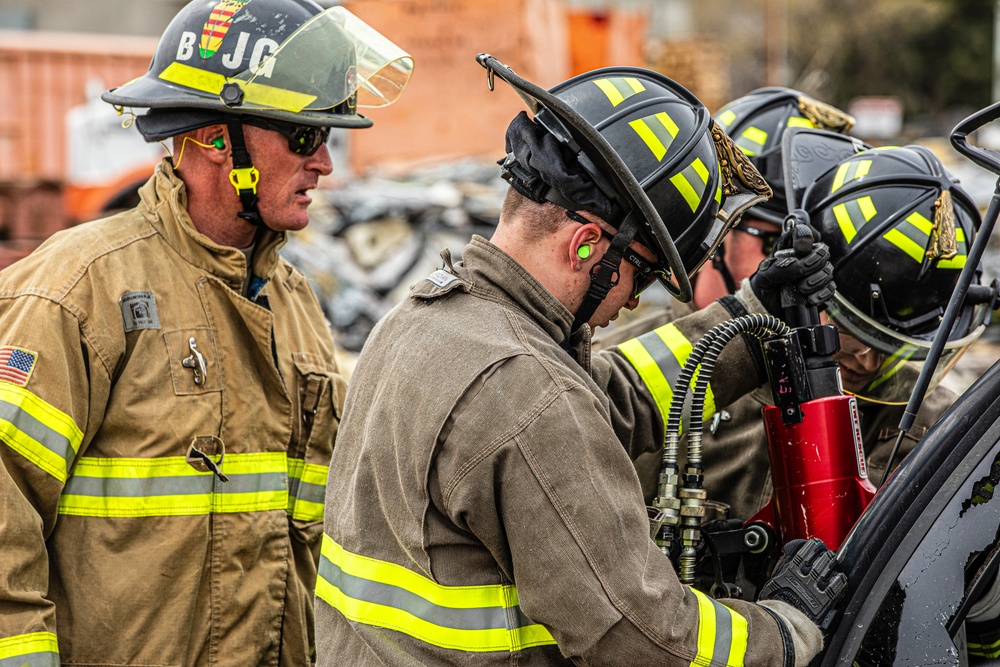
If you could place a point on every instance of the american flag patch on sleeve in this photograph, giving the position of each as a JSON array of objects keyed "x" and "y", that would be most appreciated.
[{"x": 16, "y": 365}]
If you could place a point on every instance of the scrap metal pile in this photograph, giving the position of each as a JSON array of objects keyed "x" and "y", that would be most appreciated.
[{"x": 369, "y": 240}]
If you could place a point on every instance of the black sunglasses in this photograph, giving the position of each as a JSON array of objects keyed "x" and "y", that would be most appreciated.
[
  {"x": 646, "y": 272},
  {"x": 767, "y": 239},
  {"x": 302, "y": 139}
]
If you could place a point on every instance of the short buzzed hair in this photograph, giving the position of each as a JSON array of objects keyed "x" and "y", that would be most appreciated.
[{"x": 534, "y": 220}]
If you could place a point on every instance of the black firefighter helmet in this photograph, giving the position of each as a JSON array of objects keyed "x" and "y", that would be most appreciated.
[
  {"x": 639, "y": 151},
  {"x": 757, "y": 123},
  {"x": 899, "y": 227},
  {"x": 274, "y": 63},
  {"x": 286, "y": 60}
]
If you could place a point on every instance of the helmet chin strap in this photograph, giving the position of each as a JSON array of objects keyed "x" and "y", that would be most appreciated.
[
  {"x": 605, "y": 274},
  {"x": 719, "y": 264},
  {"x": 244, "y": 176}
]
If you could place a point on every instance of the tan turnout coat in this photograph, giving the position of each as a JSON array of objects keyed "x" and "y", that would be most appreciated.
[{"x": 119, "y": 546}]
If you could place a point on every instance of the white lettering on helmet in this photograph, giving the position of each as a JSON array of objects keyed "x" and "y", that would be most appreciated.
[
  {"x": 185, "y": 49},
  {"x": 233, "y": 60},
  {"x": 259, "y": 54}
]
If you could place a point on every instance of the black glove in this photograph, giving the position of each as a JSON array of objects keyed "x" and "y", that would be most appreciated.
[
  {"x": 806, "y": 578},
  {"x": 798, "y": 261}
]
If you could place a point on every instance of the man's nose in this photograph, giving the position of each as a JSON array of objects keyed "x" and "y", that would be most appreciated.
[
  {"x": 870, "y": 361},
  {"x": 321, "y": 161}
]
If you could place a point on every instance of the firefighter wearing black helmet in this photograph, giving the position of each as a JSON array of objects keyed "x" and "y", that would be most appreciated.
[
  {"x": 757, "y": 122},
  {"x": 482, "y": 509},
  {"x": 898, "y": 226},
  {"x": 168, "y": 391}
]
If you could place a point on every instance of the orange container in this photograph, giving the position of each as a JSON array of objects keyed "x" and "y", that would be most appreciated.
[
  {"x": 42, "y": 75},
  {"x": 447, "y": 111},
  {"x": 605, "y": 37}
]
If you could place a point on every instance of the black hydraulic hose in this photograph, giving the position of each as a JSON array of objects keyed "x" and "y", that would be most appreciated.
[{"x": 684, "y": 506}]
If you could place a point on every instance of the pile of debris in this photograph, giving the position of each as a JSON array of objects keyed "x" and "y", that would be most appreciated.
[{"x": 370, "y": 239}]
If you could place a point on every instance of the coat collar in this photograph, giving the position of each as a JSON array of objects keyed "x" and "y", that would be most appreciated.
[
  {"x": 164, "y": 204},
  {"x": 487, "y": 269}
]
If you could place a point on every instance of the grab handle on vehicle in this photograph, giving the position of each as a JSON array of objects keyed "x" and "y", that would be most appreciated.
[{"x": 984, "y": 157}]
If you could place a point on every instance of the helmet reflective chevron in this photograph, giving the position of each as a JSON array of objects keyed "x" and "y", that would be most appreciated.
[
  {"x": 758, "y": 121},
  {"x": 654, "y": 165}
]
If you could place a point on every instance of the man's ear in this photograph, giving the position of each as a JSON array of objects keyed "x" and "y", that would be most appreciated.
[
  {"x": 583, "y": 251},
  {"x": 214, "y": 139}
]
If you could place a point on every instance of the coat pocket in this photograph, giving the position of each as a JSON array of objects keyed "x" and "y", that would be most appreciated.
[
  {"x": 193, "y": 361},
  {"x": 320, "y": 395}
]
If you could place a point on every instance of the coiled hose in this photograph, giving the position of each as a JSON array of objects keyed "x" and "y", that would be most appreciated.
[{"x": 683, "y": 506}]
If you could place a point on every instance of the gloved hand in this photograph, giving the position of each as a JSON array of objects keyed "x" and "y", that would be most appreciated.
[
  {"x": 806, "y": 578},
  {"x": 798, "y": 261}
]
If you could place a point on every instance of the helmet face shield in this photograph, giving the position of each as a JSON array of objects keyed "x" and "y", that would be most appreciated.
[
  {"x": 894, "y": 350},
  {"x": 283, "y": 59},
  {"x": 357, "y": 58}
]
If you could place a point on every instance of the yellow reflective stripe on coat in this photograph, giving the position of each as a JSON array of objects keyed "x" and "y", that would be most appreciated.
[
  {"x": 37, "y": 649},
  {"x": 169, "y": 486},
  {"x": 37, "y": 431},
  {"x": 722, "y": 634},
  {"x": 475, "y": 619},
  {"x": 306, "y": 490},
  {"x": 253, "y": 93},
  {"x": 658, "y": 357},
  {"x": 991, "y": 650}
]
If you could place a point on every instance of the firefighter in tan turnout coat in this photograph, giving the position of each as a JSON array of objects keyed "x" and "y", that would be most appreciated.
[
  {"x": 481, "y": 508},
  {"x": 168, "y": 395}
]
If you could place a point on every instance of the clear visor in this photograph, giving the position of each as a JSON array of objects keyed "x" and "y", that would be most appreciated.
[
  {"x": 319, "y": 66},
  {"x": 893, "y": 360}
]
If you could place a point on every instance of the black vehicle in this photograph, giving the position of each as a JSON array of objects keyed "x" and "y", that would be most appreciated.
[{"x": 928, "y": 547}]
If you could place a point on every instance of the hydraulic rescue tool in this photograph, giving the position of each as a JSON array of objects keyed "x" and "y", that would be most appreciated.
[
  {"x": 814, "y": 440},
  {"x": 813, "y": 430}
]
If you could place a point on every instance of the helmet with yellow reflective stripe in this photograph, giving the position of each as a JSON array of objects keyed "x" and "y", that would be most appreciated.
[
  {"x": 639, "y": 151},
  {"x": 287, "y": 60},
  {"x": 263, "y": 62},
  {"x": 899, "y": 227},
  {"x": 758, "y": 121}
]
